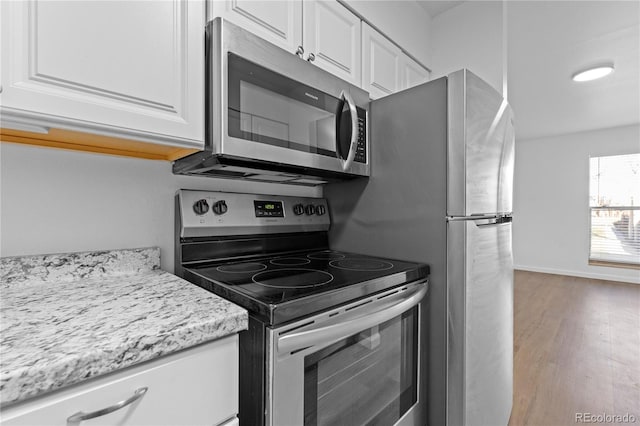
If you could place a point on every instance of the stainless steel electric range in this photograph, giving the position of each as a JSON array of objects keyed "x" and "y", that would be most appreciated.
[{"x": 334, "y": 337}]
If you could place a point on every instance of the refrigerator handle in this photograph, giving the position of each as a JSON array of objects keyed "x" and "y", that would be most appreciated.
[{"x": 495, "y": 221}]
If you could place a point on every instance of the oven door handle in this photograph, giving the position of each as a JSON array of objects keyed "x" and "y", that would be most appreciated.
[{"x": 324, "y": 335}]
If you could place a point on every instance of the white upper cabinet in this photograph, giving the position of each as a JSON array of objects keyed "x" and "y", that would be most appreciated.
[
  {"x": 386, "y": 68},
  {"x": 381, "y": 63},
  {"x": 332, "y": 39},
  {"x": 329, "y": 35},
  {"x": 279, "y": 22},
  {"x": 322, "y": 31},
  {"x": 129, "y": 69},
  {"x": 412, "y": 73}
]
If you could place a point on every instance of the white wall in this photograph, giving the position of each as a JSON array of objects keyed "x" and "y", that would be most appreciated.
[
  {"x": 403, "y": 21},
  {"x": 470, "y": 36},
  {"x": 551, "y": 186},
  {"x": 55, "y": 201}
]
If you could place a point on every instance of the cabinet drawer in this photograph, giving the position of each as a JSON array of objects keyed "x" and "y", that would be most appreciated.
[{"x": 198, "y": 386}]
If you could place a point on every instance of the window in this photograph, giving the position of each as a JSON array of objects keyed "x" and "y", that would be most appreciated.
[{"x": 614, "y": 201}]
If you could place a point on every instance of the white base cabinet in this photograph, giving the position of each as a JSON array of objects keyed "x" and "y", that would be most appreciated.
[
  {"x": 198, "y": 386},
  {"x": 125, "y": 69}
]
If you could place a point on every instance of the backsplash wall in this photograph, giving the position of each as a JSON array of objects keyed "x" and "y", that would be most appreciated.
[{"x": 55, "y": 201}]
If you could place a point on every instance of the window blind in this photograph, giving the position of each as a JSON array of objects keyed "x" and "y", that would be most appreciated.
[{"x": 614, "y": 203}]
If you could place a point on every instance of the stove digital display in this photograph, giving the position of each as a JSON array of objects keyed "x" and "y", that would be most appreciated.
[{"x": 268, "y": 208}]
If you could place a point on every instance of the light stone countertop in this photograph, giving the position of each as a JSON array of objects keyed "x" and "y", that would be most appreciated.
[{"x": 69, "y": 317}]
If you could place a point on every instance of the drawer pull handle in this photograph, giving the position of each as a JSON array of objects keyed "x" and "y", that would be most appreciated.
[{"x": 80, "y": 416}]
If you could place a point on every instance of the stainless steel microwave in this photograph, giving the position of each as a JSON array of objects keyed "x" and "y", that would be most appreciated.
[{"x": 272, "y": 116}]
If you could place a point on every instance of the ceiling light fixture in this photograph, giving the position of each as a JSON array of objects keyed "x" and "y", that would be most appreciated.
[{"x": 593, "y": 73}]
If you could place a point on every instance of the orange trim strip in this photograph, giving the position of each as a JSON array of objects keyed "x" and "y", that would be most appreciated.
[{"x": 78, "y": 141}]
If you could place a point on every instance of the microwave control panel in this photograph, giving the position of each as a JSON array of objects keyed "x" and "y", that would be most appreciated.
[{"x": 361, "y": 150}]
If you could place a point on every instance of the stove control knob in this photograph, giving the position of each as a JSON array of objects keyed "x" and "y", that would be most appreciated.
[
  {"x": 298, "y": 209},
  {"x": 219, "y": 207},
  {"x": 310, "y": 209},
  {"x": 200, "y": 207},
  {"x": 320, "y": 210}
]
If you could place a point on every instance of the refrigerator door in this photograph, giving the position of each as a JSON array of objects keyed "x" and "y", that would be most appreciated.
[
  {"x": 480, "y": 302},
  {"x": 480, "y": 148}
]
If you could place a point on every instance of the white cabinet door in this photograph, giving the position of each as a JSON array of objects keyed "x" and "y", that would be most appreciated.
[
  {"x": 279, "y": 22},
  {"x": 412, "y": 73},
  {"x": 198, "y": 386},
  {"x": 133, "y": 69},
  {"x": 381, "y": 64},
  {"x": 332, "y": 35}
]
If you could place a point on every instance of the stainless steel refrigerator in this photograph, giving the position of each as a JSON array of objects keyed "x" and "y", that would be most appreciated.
[{"x": 440, "y": 192}]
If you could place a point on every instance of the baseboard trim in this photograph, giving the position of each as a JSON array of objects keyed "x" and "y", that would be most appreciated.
[{"x": 582, "y": 274}]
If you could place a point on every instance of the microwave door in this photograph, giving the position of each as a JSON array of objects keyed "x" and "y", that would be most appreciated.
[
  {"x": 273, "y": 110},
  {"x": 276, "y": 119}
]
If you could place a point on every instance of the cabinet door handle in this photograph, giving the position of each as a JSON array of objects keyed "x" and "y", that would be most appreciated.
[
  {"x": 300, "y": 51},
  {"x": 80, "y": 416},
  {"x": 311, "y": 57}
]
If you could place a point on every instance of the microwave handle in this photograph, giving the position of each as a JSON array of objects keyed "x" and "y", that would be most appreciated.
[{"x": 353, "y": 146}]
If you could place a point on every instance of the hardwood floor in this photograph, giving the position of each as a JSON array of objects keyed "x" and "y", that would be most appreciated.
[{"x": 576, "y": 350}]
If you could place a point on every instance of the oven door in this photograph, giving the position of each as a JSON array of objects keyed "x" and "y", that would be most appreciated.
[
  {"x": 359, "y": 364},
  {"x": 271, "y": 117}
]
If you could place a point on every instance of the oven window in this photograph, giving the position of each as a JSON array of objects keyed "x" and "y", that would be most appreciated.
[
  {"x": 267, "y": 107},
  {"x": 368, "y": 378}
]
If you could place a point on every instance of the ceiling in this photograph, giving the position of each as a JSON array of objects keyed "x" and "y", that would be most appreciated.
[
  {"x": 548, "y": 41},
  {"x": 435, "y": 8}
]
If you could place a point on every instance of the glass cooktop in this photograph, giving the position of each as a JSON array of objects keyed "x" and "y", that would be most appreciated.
[{"x": 278, "y": 287}]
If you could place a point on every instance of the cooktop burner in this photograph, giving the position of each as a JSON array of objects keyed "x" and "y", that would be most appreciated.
[
  {"x": 326, "y": 255},
  {"x": 292, "y": 278},
  {"x": 361, "y": 264},
  {"x": 241, "y": 268},
  {"x": 290, "y": 261}
]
